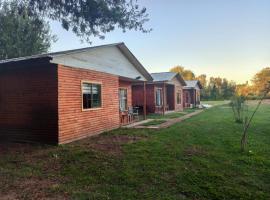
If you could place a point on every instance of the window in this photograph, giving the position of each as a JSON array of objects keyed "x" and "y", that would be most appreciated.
[
  {"x": 179, "y": 97},
  {"x": 123, "y": 99},
  {"x": 91, "y": 95},
  {"x": 159, "y": 97}
]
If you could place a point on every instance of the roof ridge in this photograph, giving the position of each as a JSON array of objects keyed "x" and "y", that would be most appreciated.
[
  {"x": 58, "y": 52},
  {"x": 163, "y": 72}
]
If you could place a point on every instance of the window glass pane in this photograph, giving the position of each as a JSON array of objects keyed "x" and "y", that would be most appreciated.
[
  {"x": 96, "y": 93},
  {"x": 158, "y": 97},
  {"x": 179, "y": 97},
  {"x": 91, "y": 95},
  {"x": 123, "y": 99},
  {"x": 86, "y": 88}
]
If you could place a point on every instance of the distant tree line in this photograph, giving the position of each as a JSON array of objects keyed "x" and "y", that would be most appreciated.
[
  {"x": 217, "y": 88},
  {"x": 257, "y": 87}
]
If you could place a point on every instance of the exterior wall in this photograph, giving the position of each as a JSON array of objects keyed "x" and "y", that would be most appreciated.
[
  {"x": 178, "y": 87},
  {"x": 138, "y": 97},
  {"x": 193, "y": 95},
  {"x": 74, "y": 123},
  {"x": 170, "y": 96},
  {"x": 28, "y": 102}
]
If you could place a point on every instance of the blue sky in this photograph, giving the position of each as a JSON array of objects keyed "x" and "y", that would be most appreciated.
[{"x": 226, "y": 38}]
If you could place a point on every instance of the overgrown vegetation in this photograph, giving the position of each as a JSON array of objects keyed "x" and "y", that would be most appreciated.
[
  {"x": 248, "y": 120},
  {"x": 196, "y": 159}
]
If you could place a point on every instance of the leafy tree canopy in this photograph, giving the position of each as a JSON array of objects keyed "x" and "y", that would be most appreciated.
[
  {"x": 261, "y": 80},
  {"x": 90, "y": 17},
  {"x": 185, "y": 73},
  {"x": 202, "y": 79},
  {"x": 21, "y": 34}
]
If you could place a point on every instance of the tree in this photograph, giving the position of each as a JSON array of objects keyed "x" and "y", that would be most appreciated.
[
  {"x": 248, "y": 120},
  {"x": 20, "y": 34},
  {"x": 260, "y": 80},
  {"x": 90, "y": 17},
  {"x": 243, "y": 89},
  {"x": 202, "y": 79},
  {"x": 186, "y": 74}
]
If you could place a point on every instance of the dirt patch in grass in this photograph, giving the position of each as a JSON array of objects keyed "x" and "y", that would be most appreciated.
[
  {"x": 16, "y": 148},
  {"x": 266, "y": 101},
  {"x": 31, "y": 188},
  {"x": 110, "y": 144},
  {"x": 9, "y": 196},
  {"x": 195, "y": 151}
]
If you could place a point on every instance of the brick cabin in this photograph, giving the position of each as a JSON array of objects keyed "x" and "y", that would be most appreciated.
[
  {"x": 163, "y": 94},
  {"x": 192, "y": 93},
  {"x": 65, "y": 96}
]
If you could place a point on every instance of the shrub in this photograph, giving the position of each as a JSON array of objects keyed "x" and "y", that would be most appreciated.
[{"x": 238, "y": 104}]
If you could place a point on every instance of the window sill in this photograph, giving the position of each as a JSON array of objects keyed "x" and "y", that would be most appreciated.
[{"x": 91, "y": 109}]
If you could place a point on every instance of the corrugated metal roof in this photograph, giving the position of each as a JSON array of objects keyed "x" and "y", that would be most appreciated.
[
  {"x": 163, "y": 76},
  {"x": 193, "y": 84}
]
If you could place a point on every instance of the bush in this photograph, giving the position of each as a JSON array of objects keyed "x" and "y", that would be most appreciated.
[{"x": 238, "y": 106}]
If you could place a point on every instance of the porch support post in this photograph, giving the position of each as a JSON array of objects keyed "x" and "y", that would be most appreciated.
[
  {"x": 144, "y": 100},
  {"x": 194, "y": 92},
  {"x": 163, "y": 98}
]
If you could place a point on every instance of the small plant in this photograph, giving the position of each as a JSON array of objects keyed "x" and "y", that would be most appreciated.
[
  {"x": 238, "y": 106},
  {"x": 248, "y": 120}
]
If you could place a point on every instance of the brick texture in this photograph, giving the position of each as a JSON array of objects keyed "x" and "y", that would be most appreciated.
[{"x": 74, "y": 123}]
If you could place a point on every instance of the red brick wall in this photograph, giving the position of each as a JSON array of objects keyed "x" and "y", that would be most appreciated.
[
  {"x": 75, "y": 123},
  {"x": 28, "y": 102}
]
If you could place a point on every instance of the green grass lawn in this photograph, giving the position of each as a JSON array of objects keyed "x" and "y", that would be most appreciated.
[
  {"x": 198, "y": 158},
  {"x": 172, "y": 115},
  {"x": 154, "y": 122},
  {"x": 215, "y": 103},
  {"x": 166, "y": 116}
]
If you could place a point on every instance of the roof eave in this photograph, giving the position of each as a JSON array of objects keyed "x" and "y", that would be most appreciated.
[{"x": 129, "y": 55}]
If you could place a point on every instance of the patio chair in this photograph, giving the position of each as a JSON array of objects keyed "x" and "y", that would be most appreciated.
[
  {"x": 132, "y": 113},
  {"x": 136, "y": 112}
]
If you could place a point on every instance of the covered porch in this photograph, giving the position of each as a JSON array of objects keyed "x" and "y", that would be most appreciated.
[
  {"x": 159, "y": 98},
  {"x": 165, "y": 96},
  {"x": 128, "y": 113}
]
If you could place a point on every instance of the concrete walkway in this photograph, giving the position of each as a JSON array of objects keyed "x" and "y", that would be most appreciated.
[{"x": 168, "y": 123}]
